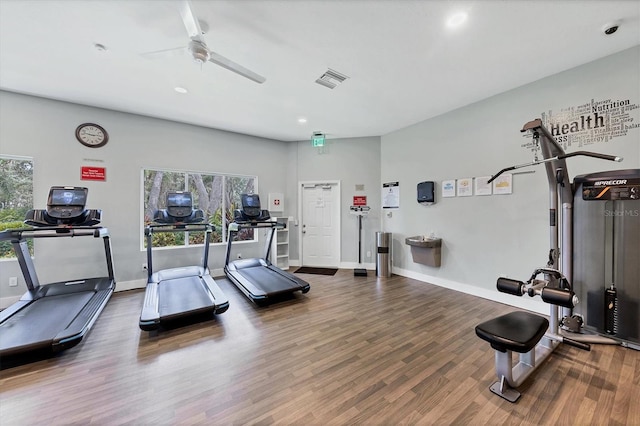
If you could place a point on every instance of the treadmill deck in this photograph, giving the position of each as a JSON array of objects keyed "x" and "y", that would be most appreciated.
[
  {"x": 58, "y": 320},
  {"x": 260, "y": 280}
]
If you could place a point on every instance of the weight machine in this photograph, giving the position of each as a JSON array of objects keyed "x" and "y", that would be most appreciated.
[{"x": 532, "y": 336}]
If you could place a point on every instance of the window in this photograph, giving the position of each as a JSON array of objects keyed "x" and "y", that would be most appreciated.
[
  {"x": 216, "y": 194},
  {"x": 16, "y": 197}
]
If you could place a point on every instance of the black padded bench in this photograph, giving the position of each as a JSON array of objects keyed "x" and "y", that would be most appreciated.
[
  {"x": 514, "y": 332},
  {"x": 517, "y": 331}
]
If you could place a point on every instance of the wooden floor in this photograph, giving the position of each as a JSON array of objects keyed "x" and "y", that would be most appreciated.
[{"x": 354, "y": 350}]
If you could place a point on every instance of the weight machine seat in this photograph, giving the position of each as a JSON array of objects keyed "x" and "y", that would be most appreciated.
[{"x": 516, "y": 331}]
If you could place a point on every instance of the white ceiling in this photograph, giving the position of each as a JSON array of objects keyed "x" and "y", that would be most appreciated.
[{"x": 404, "y": 64}]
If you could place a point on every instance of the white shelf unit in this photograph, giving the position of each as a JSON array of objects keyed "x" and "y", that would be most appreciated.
[{"x": 280, "y": 245}]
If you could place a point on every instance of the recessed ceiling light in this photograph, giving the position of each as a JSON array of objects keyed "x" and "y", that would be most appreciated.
[
  {"x": 180, "y": 89},
  {"x": 457, "y": 19},
  {"x": 302, "y": 120}
]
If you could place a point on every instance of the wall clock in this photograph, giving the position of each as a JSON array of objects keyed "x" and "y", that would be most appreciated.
[{"x": 92, "y": 135}]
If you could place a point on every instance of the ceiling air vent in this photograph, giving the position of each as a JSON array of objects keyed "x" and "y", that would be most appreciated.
[{"x": 331, "y": 78}]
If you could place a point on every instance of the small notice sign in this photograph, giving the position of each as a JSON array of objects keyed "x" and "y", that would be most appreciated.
[
  {"x": 93, "y": 173},
  {"x": 276, "y": 202},
  {"x": 391, "y": 195},
  {"x": 359, "y": 200}
]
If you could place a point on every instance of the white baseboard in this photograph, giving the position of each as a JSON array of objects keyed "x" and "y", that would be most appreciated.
[
  {"x": 217, "y": 272},
  {"x": 343, "y": 265},
  {"x": 5, "y": 302},
  {"x": 131, "y": 285},
  {"x": 524, "y": 302},
  {"x": 354, "y": 265}
]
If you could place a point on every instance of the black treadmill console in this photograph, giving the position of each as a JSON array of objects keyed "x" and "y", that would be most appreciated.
[
  {"x": 251, "y": 211},
  {"x": 250, "y": 205},
  {"x": 65, "y": 206},
  {"x": 179, "y": 210},
  {"x": 179, "y": 204},
  {"x": 66, "y": 202}
]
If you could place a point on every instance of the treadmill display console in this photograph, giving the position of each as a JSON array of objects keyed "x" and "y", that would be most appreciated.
[
  {"x": 179, "y": 204},
  {"x": 66, "y": 202},
  {"x": 251, "y": 205}
]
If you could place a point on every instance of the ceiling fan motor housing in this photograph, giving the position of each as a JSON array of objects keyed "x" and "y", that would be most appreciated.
[{"x": 199, "y": 51}]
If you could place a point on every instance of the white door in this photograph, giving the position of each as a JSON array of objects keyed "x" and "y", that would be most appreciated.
[{"x": 320, "y": 224}]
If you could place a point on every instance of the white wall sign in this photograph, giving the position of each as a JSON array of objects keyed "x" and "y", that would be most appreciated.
[
  {"x": 448, "y": 188},
  {"x": 481, "y": 185},
  {"x": 391, "y": 195},
  {"x": 276, "y": 202},
  {"x": 465, "y": 187},
  {"x": 503, "y": 184}
]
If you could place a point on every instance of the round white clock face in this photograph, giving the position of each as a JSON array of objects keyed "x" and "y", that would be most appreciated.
[{"x": 92, "y": 135}]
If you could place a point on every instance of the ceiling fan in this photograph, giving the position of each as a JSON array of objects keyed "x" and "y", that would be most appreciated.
[{"x": 198, "y": 49}]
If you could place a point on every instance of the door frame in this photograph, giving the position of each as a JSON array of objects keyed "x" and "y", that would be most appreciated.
[{"x": 337, "y": 213}]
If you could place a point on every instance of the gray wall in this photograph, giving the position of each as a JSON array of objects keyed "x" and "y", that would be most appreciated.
[
  {"x": 486, "y": 236},
  {"x": 44, "y": 130},
  {"x": 351, "y": 161},
  {"x": 483, "y": 236}
]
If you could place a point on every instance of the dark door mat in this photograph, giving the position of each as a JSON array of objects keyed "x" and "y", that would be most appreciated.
[{"x": 316, "y": 271}]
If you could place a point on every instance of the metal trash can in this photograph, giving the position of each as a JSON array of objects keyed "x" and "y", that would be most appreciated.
[{"x": 383, "y": 256}]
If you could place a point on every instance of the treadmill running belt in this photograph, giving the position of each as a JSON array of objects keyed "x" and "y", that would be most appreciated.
[
  {"x": 268, "y": 280},
  {"x": 47, "y": 317},
  {"x": 182, "y": 295}
]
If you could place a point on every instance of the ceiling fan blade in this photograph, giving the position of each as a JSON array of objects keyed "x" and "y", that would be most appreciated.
[
  {"x": 176, "y": 51},
  {"x": 237, "y": 68},
  {"x": 190, "y": 21}
]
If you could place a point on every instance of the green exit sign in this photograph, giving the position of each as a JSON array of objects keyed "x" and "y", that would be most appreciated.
[{"x": 317, "y": 140}]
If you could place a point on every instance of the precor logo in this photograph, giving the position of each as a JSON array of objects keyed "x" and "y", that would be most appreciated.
[{"x": 611, "y": 182}]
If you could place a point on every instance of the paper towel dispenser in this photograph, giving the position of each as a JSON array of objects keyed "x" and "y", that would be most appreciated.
[{"x": 426, "y": 192}]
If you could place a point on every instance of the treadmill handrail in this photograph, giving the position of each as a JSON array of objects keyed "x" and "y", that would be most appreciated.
[
  {"x": 179, "y": 227},
  {"x": 150, "y": 229},
  {"x": 256, "y": 224},
  {"x": 19, "y": 236},
  {"x": 233, "y": 230},
  {"x": 53, "y": 232}
]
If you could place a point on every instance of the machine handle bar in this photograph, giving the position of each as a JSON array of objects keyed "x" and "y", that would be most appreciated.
[
  {"x": 591, "y": 154},
  {"x": 549, "y": 271},
  {"x": 558, "y": 157},
  {"x": 576, "y": 344}
]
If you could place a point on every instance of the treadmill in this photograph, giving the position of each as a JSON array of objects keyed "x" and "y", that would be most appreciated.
[
  {"x": 179, "y": 292},
  {"x": 56, "y": 316},
  {"x": 258, "y": 279}
]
